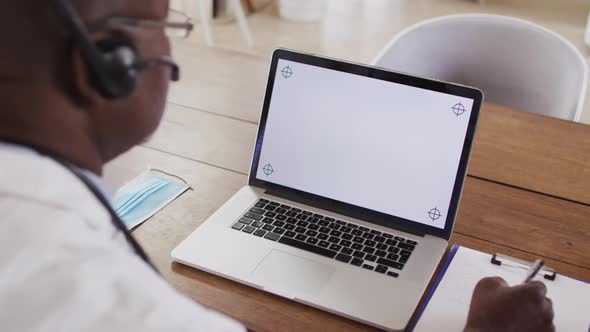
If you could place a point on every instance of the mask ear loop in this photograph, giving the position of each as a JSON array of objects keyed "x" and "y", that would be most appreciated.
[{"x": 150, "y": 169}]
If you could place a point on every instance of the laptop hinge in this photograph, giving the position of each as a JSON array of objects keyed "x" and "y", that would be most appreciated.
[{"x": 345, "y": 211}]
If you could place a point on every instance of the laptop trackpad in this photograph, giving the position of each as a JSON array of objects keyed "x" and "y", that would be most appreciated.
[{"x": 290, "y": 274}]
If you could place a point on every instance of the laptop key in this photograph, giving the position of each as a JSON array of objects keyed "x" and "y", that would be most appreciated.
[
  {"x": 302, "y": 223},
  {"x": 279, "y": 231},
  {"x": 270, "y": 214},
  {"x": 381, "y": 253},
  {"x": 324, "y": 244},
  {"x": 268, "y": 228},
  {"x": 272, "y": 236},
  {"x": 323, "y": 236},
  {"x": 343, "y": 258},
  {"x": 352, "y": 226},
  {"x": 312, "y": 240},
  {"x": 311, "y": 233},
  {"x": 259, "y": 232},
  {"x": 357, "y": 246},
  {"x": 307, "y": 213},
  {"x": 368, "y": 236},
  {"x": 289, "y": 227},
  {"x": 364, "y": 229},
  {"x": 290, "y": 234},
  {"x": 387, "y": 236},
  {"x": 381, "y": 246},
  {"x": 253, "y": 216},
  {"x": 257, "y": 210},
  {"x": 369, "y": 250},
  {"x": 405, "y": 253},
  {"x": 336, "y": 233},
  {"x": 238, "y": 226},
  {"x": 300, "y": 230},
  {"x": 281, "y": 217},
  {"x": 300, "y": 237},
  {"x": 314, "y": 220},
  {"x": 347, "y": 251},
  {"x": 313, "y": 227},
  {"x": 392, "y": 274},
  {"x": 398, "y": 238},
  {"x": 357, "y": 232},
  {"x": 340, "y": 222},
  {"x": 406, "y": 246},
  {"x": 379, "y": 239},
  {"x": 393, "y": 250},
  {"x": 403, "y": 259},
  {"x": 319, "y": 216},
  {"x": 346, "y": 230},
  {"x": 279, "y": 223},
  {"x": 358, "y": 239},
  {"x": 323, "y": 223},
  {"x": 347, "y": 236},
  {"x": 357, "y": 262},
  {"x": 328, "y": 219},
  {"x": 296, "y": 210},
  {"x": 291, "y": 214},
  {"x": 381, "y": 268},
  {"x": 370, "y": 243},
  {"x": 371, "y": 258},
  {"x": 391, "y": 242},
  {"x": 257, "y": 224},
  {"x": 268, "y": 220},
  {"x": 393, "y": 257},
  {"x": 390, "y": 263},
  {"x": 345, "y": 243},
  {"x": 335, "y": 247},
  {"x": 324, "y": 230},
  {"x": 376, "y": 232},
  {"x": 248, "y": 229},
  {"x": 274, "y": 203},
  {"x": 262, "y": 200},
  {"x": 270, "y": 208},
  {"x": 334, "y": 226},
  {"x": 358, "y": 254},
  {"x": 368, "y": 267},
  {"x": 260, "y": 204},
  {"x": 280, "y": 210},
  {"x": 301, "y": 216},
  {"x": 245, "y": 221},
  {"x": 334, "y": 239},
  {"x": 284, "y": 206},
  {"x": 291, "y": 220}
]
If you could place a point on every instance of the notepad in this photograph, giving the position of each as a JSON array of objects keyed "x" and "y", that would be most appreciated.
[{"x": 448, "y": 303}]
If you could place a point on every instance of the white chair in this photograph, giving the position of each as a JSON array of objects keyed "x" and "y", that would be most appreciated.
[{"x": 514, "y": 62}]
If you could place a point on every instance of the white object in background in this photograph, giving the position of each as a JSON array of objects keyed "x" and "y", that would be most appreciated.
[
  {"x": 302, "y": 10},
  {"x": 447, "y": 309},
  {"x": 515, "y": 63},
  {"x": 205, "y": 10},
  {"x": 587, "y": 38}
]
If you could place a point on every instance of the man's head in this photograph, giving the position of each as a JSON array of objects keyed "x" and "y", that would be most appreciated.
[{"x": 47, "y": 95}]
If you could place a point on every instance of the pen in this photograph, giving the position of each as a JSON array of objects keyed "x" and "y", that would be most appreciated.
[{"x": 535, "y": 268}]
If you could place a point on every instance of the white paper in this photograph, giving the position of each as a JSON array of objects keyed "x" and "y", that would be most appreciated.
[{"x": 448, "y": 308}]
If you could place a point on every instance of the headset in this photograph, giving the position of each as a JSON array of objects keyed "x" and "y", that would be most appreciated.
[{"x": 114, "y": 64}]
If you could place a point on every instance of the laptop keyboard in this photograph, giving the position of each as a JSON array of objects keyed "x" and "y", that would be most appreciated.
[{"x": 345, "y": 242}]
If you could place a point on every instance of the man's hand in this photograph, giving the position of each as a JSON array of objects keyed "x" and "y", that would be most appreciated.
[{"x": 497, "y": 307}]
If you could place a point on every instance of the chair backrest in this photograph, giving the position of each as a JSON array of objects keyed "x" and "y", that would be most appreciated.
[{"x": 515, "y": 63}]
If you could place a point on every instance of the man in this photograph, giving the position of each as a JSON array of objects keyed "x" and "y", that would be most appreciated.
[{"x": 65, "y": 262}]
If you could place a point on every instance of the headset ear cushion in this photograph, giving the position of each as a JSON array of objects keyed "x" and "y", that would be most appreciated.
[{"x": 118, "y": 77}]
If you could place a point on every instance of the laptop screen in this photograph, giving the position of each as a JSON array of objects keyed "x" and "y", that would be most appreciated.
[{"x": 372, "y": 143}]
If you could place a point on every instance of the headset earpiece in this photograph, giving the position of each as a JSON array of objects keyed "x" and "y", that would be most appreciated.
[{"x": 114, "y": 76}]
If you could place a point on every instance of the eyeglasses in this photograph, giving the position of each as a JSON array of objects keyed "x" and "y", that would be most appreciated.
[{"x": 176, "y": 25}]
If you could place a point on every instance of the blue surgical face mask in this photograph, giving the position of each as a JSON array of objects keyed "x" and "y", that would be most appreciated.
[{"x": 147, "y": 194}]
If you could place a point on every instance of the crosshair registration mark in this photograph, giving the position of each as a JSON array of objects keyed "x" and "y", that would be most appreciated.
[
  {"x": 434, "y": 214},
  {"x": 267, "y": 169},
  {"x": 458, "y": 109},
  {"x": 287, "y": 72}
]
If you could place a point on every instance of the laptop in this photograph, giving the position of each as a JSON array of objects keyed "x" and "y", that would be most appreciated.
[{"x": 353, "y": 190}]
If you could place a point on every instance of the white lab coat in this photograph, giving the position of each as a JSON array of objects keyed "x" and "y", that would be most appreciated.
[{"x": 64, "y": 267}]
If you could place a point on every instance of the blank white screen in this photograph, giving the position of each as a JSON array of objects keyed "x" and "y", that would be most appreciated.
[{"x": 384, "y": 146}]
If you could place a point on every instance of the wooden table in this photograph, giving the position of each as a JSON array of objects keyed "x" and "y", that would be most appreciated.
[{"x": 527, "y": 193}]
